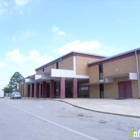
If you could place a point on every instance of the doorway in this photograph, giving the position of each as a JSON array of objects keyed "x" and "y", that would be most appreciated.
[{"x": 125, "y": 89}]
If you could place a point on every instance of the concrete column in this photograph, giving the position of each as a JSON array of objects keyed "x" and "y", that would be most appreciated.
[
  {"x": 40, "y": 91},
  {"x": 75, "y": 89},
  {"x": 52, "y": 89},
  {"x": 55, "y": 86},
  {"x": 48, "y": 90},
  {"x": 32, "y": 90},
  {"x": 44, "y": 89},
  {"x": 28, "y": 94},
  {"x": 62, "y": 88},
  {"x": 37, "y": 90}
]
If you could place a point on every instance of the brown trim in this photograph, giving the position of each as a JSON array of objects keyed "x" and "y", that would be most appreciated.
[
  {"x": 112, "y": 59},
  {"x": 83, "y": 55}
]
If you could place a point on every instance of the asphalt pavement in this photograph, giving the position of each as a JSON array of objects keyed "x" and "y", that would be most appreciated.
[{"x": 45, "y": 119}]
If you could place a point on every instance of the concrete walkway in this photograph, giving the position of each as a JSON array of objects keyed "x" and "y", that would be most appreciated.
[{"x": 126, "y": 107}]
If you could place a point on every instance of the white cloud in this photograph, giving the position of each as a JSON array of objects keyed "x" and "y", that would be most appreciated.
[
  {"x": 37, "y": 58},
  {"x": 34, "y": 56},
  {"x": 61, "y": 33},
  {"x": 2, "y": 64},
  {"x": 79, "y": 46},
  {"x": 24, "y": 35},
  {"x": 15, "y": 56},
  {"x": 21, "y": 2},
  {"x": 57, "y": 31}
]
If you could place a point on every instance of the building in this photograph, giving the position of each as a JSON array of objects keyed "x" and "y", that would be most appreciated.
[
  {"x": 84, "y": 75},
  {"x": 62, "y": 77}
]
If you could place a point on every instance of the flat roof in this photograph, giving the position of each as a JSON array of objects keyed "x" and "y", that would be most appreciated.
[
  {"x": 112, "y": 57},
  {"x": 71, "y": 54}
]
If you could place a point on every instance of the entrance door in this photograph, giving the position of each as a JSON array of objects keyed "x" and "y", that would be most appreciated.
[{"x": 125, "y": 89}]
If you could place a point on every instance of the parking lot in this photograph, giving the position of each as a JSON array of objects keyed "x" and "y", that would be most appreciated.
[{"x": 45, "y": 119}]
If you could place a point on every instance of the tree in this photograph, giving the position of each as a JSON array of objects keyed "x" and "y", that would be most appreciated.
[
  {"x": 15, "y": 80},
  {"x": 7, "y": 89}
]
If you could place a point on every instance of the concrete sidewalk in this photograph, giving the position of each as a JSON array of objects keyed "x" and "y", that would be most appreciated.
[{"x": 126, "y": 107}]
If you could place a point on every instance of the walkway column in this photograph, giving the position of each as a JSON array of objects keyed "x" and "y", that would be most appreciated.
[
  {"x": 48, "y": 90},
  {"x": 75, "y": 90},
  {"x": 32, "y": 90},
  {"x": 37, "y": 90},
  {"x": 28, "y": 94},
  {"x": 62, "y": 88},
  {"x": 44, "y": 89},
  {"x": 52, "y": 89}
]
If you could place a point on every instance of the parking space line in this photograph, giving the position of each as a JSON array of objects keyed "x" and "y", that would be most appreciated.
[{"x": 54, "y": 123}]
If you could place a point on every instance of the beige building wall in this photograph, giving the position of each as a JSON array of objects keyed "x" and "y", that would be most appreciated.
[
  {"x": 50, "y": 67},
  {"x": 111, "y": 89},
  {"x": 135, "y": 93},
  {"x": 94, "y": 74},
  {"x": 124, "y": 65},
  {"x": 23, "y": 90},
  {"x": 66, "y": 63},
  {"x": 94, "y": 91},
  {"x": 38, "y": 72},
  {"x": 81, "y": 64}
]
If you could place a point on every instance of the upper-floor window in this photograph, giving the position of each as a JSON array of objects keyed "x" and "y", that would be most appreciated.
[
  {"x": 101, "y": 71},
  {"x": 57, "y": 65},
  {"x": 43, "y": 69}
]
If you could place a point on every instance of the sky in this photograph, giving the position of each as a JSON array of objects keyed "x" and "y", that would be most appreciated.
[{"x": 35, "y": 32}]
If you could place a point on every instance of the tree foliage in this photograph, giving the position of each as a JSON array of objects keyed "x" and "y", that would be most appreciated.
[{"x": 13, "y": 83}]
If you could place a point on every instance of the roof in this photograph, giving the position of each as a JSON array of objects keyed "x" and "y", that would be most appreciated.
[
  {"x": 128, "y": 53},
  {"x": 71, "y": 54}
]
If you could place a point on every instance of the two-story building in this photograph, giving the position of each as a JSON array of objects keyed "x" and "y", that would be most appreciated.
[
  {"x": 116, "y": 76},
  {"x": 85, "y": 75},
  {"x": 62, "y": 77}
]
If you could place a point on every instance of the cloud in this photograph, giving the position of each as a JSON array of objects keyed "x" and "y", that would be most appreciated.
[
  {"x": 37, "y": 58},
  {"x": 24, "y": 35},
  {"x": 77, "y": 45},
  {"x": 2, "y": 64},
  {"x": 58, "y": 31},
  {"x": 21, "y": 2},
  {"x": 15, "y": 56},
  {"x": 34, "y": 56}
]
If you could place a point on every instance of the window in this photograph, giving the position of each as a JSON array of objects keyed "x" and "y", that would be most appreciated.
[
  {"x": 84, "y": 88},
  {"x": 101, "y": 72},
  {"x": 57, "y": 65},
  {"x": 43, "y": 69}
]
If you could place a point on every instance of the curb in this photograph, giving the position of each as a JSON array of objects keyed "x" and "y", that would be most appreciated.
[{"x": 117, "y": 114}]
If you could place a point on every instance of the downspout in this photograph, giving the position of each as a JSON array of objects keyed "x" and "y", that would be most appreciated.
[{"x": 137, "y": 64}]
